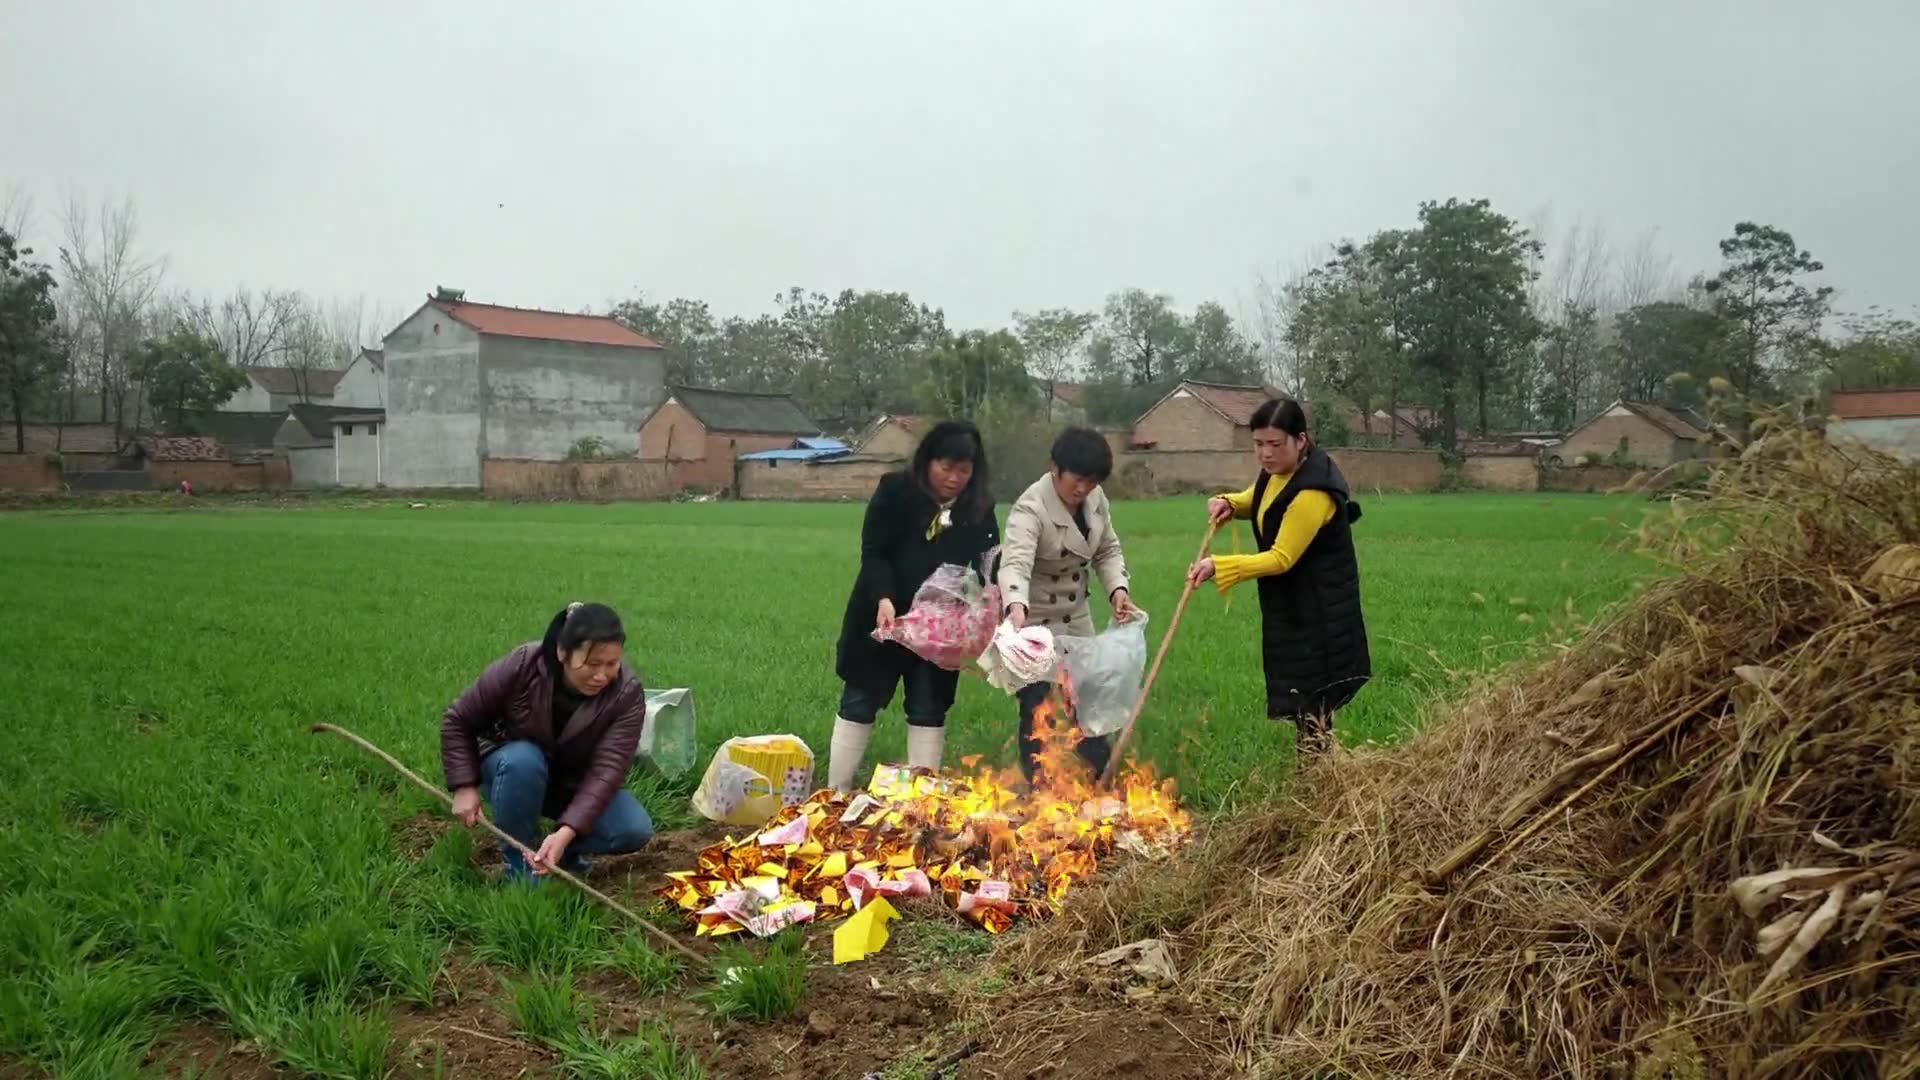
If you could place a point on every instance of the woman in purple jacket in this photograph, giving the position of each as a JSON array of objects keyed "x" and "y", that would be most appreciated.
[{"x": 550, "y": 730}]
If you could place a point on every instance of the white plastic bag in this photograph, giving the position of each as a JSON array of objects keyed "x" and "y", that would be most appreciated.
[
  {"x": 1106, "y": 670},
  {"x": 1017, "y": 658},
  {"x": 669, "y": 739}
]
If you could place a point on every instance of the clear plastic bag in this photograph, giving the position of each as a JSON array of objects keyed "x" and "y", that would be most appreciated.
[
  {"x": 669, "y": 738},
  {"x": 951, "y": 620},
  {"x": 1106, "y": 670}
]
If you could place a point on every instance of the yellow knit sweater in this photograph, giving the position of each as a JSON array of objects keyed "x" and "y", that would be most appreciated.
[{"x": 1308, "y": 511}]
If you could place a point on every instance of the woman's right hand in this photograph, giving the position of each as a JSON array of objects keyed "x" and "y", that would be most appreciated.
[
  {"x": 883, "y": 616},
  {"x": 1219, "y": 510},
  {"x": 466, "y": 806}
]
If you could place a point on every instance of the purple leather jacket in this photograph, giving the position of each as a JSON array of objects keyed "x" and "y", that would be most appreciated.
[{"x": 513, "y": 699}]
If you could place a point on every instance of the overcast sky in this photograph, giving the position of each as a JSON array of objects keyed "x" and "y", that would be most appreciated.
[{"x": 984, "y": 156}]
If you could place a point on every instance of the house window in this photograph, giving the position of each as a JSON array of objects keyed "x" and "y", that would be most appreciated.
[{"x": 346, "y": 429}]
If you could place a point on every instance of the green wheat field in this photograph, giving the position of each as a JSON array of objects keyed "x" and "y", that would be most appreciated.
[{"x": 180, "y": 850}]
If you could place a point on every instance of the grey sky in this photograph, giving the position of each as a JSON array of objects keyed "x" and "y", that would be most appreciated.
[{"x": 983, "y": 156}]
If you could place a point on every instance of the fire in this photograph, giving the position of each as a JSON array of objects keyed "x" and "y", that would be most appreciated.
[{"x": 993, "y": 851}]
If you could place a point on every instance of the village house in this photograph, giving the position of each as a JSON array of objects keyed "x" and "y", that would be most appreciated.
[
  {"x": 363, "y": 383},
  {"x": 891, "y": 437},
  {"x": 1201, "y": 416},
  {"x": 1887, "y": 420},
  {"x": 310, "y": 437},
  {"x": 272, "y": 389},
  {"x": 702, "y": 431},
  {"x": 468, "y": 381},
  {"x": 1636, "y": 433}
]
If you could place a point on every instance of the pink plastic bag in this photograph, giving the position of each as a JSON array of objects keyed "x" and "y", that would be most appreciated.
[{"x": 951, "y": 621}]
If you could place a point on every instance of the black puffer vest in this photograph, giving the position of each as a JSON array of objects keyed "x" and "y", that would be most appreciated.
[{"x": 1313, "y": 640}]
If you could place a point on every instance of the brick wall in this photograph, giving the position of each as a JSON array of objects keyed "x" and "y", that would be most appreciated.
[
  {"x": 1589, "y": 478},
  {"x": 672, "y": 433},
  {"x": 1186, "y": 423},
  {"x": 841, "y": 478},
  {"x": 518, "y": 478},
  {"x": 28, "y": 472},
  {"x": 1511, "y": 472},
  {"x": 1646, "y": 444},
  {"x": 218, "y": 475},
  {"x": 891, "y": 441},
  {"x": 1164, "y": 472}
]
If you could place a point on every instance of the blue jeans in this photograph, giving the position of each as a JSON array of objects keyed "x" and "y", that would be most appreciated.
[{"x": 513, "y": 780}]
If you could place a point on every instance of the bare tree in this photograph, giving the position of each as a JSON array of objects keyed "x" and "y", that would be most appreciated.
[
  {"x": 16, "y": 211},
  {"x": 1276, "y": 301},
  {"x": 253, "y": 329},
  {"x": 1646, "y": 274},
  {"x": 114, "y": 283}
]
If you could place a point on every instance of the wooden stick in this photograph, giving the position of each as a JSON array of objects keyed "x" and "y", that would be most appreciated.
[
  {"x": 1665, "y": 728},
  {"x": 1166, "y": 641},
  {"x": 659, "y": 935},
  {"x": 1554, "y": 785}
]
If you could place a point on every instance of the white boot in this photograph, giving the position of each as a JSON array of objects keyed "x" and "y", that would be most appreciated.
[
  {"x": 849, "y": 745},
  {"x": 924, "y": 746}
]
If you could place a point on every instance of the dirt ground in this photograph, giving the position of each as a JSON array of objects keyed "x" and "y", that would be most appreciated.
[{"x": 932, "y": 996}]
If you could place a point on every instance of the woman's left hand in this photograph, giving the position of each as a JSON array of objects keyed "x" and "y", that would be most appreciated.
[
  {"x": 1200, "y": 571},
  {"x": 1123, "y": 608},
  {"x": 553, "y": 849}
]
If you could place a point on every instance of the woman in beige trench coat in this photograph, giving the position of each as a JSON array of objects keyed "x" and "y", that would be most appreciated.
[{"x": 1059, "y": 537}]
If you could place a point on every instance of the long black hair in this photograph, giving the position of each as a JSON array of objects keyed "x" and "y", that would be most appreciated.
[
  {"x": 1280, "y": 414},
  {"x": 957, "y": 440},
  {"x": 579, "y": 624}
]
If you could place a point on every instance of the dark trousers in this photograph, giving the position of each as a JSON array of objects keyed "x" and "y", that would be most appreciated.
[
  {"x": 1093, "y": 749},
  {"x": 928, "y": 697}
]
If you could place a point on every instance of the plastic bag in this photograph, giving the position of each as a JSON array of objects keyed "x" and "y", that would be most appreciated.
[
  {"x": 951, "y": 620},
  {"x": 751, "y": 777},
  {"x": 668, "y": 739},
  {"x": 1106, "y": 670},
  {"x": 1017, "y": 658}
]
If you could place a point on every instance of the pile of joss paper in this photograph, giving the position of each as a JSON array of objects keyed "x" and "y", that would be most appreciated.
[{"x": 989, "y": 851}]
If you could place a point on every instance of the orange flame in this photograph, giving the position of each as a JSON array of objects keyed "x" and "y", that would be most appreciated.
[{"x": 972, "y": 835}]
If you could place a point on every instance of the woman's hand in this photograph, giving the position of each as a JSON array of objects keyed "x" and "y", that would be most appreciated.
[
  {"x": 883, "y": 616},
  {"x": 1219, "y": 510},
  {"x": 1017, "y": 616},
  {"x": 466, "y": 806},
  {"x": 1200, "y": 571},
  {"x": 552, "y": 849},
  {"x": 1123, "y": 609}
]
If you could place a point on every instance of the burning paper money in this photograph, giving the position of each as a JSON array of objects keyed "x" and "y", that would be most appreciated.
[{"x": 987, "y": 850}]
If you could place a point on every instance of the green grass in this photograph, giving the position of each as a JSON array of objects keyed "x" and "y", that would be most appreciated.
[
  {"x": 759, "y": 982},
  {"x": 180, "y": 846}
]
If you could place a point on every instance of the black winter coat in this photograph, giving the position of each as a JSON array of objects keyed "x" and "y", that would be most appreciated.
[
  {"x": 1313, "y": 640},
  {"x": 895, "y": 558}
]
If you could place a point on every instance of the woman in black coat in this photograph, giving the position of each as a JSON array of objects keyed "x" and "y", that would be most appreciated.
[{"x": 937, "y": 510}]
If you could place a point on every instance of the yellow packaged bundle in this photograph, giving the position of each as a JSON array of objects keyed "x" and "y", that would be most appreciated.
[{"x": 752, "y": 777}]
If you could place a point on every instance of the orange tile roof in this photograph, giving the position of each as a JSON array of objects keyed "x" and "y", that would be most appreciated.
[{"x": 501, "y": 321}]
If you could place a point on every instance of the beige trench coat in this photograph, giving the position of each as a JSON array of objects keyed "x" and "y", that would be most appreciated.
[{"x": 1045, "y": 562}]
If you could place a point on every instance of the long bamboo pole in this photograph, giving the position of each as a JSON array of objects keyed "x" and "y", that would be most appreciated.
[
  {"x": 1166, "y": 642},
  {"x": 437, "y": 792}
]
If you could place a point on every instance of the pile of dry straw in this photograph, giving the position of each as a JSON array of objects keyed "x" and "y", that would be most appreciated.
[{"x": 1688, "y": 845}]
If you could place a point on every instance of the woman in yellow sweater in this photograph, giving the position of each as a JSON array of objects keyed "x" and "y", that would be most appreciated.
[{"x": 1313, "y": 639}]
